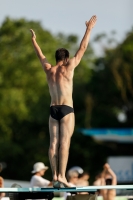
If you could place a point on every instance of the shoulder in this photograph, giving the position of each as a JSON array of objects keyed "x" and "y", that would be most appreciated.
[
  {"x": 97, "y": 182},
  {"x": 45, "y": 64},
  {"x": 47, "y": 67},
  {"x": 34, "y": 177},
  {"x": 83, "y": 183},
  {"x": 72, "y": 63}
]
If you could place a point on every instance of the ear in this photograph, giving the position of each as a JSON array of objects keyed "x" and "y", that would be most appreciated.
[{"x": 66, "y": 60}]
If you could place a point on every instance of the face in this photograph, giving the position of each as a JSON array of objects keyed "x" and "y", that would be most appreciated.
[
  {"x": 75, "y": 179},
  {"x": 42, "y": 172}
]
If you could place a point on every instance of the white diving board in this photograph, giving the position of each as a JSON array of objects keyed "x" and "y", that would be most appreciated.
[
  {"x": 48, "y": 193},
  {"x": 65, "y": 189}
]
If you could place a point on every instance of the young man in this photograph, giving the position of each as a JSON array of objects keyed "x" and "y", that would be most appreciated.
[{"x": 61, "y": 120}]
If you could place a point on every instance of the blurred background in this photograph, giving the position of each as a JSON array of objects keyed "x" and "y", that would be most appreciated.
[{"x": 103, "y": 85}]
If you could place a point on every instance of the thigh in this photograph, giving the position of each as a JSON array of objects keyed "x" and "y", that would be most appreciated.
[
  {"x": 53, "y": 130},
  {"x": 67, "y": 124}
]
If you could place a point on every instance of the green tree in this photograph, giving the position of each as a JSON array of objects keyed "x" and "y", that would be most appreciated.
[
  {"x": 24, "y": 98},
  {"x": 111, "y": 86}
]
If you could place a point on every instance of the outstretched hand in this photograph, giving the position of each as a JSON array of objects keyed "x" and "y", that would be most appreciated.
[
  {"x": 91, "y": 23},
  {"x": 106, "y": 166},
  {"x": 33, "y": 34}
]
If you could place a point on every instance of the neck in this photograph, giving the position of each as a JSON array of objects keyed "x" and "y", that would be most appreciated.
[
  {"x": 60, "y": 62},
  {"x": 37, "y": 174}
]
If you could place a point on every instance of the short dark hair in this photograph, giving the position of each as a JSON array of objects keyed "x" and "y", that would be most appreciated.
[{"x": 61, "y": 54}]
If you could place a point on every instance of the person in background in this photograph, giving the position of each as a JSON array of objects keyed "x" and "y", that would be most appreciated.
[
  {"x": 107, "y": 177},
  {"x": 1, "y": 186},
  {"x": 72, "y": 178},
  {"x": 83, "y": 179},
  {"x": 37, "y": 180},
  {"x": 98, "y": 180}
]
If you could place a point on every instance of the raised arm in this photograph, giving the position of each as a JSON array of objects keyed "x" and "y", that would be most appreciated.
[
  {"x": 84, "y": 43},
  {"x": 113, "y": 175},
  {"x": 39, "y": 53}
]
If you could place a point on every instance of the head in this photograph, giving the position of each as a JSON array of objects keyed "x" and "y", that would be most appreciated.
[
  {"x": 72, "y": 176},
  {"x": 39, "y": 169},
  {"x": 62, "y": 54},
  {"x": 78, "y": 169}
]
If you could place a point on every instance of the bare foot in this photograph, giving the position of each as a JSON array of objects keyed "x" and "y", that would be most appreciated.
[
  {"x": 56, "y": 183},
  {"x": 63, "y": 181},
  {"x": 55, "y": 178}
]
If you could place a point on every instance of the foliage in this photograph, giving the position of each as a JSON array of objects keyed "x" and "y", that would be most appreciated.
[{"x": 111, "y": 86}]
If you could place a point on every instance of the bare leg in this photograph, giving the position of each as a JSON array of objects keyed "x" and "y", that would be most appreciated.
[
  {"x": 66, "y": 130},
  {"x": 54, "y": 146}
]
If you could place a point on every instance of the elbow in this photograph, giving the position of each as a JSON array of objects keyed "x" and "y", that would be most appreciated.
[{"x": 83, "y": 47}]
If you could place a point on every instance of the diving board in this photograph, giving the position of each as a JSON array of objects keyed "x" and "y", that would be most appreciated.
[
  {"x": 67, "y": 189},
  {"x": 48, "y": 193}
]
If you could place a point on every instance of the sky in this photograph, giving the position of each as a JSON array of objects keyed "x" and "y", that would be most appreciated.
[{"x": 69, "y": 16}]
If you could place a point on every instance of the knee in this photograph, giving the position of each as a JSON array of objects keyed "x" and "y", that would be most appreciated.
[{"x": 54, "y": 145}]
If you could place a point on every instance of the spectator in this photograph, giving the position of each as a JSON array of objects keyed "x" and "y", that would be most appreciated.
[
  {"x": 1, "y": 186},
  {"x": 107, "y": 177},
  {"x": 83, "y": 179},
  {"x": 72, "y": 177},
  {"x": 38, "y": 171},
  {"x": 98, "y": 180}
]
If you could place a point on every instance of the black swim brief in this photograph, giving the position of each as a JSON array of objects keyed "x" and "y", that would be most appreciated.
[{"x": 59, "y": 111}]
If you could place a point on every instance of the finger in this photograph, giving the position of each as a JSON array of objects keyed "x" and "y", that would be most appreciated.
[
  {"x": 32, "y": 31},
  {"x": 86, "y": 23},
  {"x": 94, "y": 17}
]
